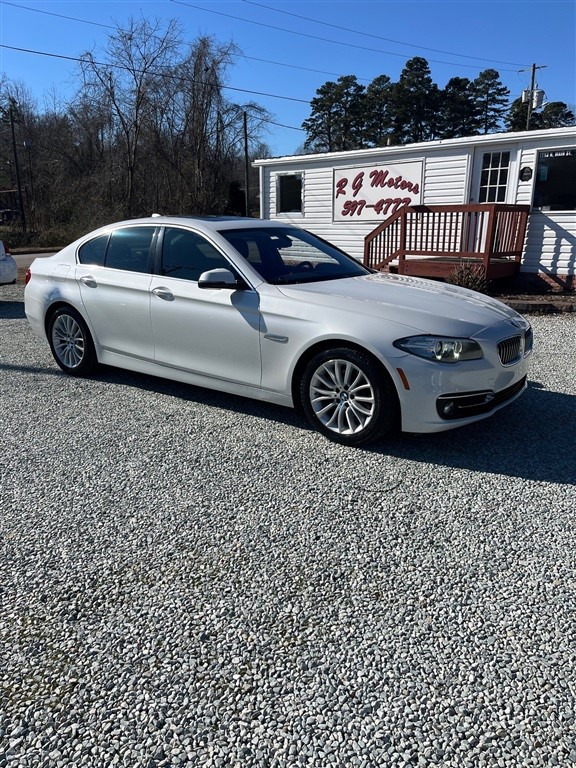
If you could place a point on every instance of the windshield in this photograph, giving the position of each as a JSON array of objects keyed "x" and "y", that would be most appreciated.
[{"x": 292, "y": 255}]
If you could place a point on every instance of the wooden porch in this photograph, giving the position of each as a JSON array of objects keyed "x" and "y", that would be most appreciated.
[{"x": 433, "y": 240}]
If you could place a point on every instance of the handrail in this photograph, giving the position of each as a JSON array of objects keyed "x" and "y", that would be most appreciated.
[{"x": 483, "y": 231}]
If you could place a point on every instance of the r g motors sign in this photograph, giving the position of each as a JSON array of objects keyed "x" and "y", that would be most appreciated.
[{"x": 375, "y": 192}]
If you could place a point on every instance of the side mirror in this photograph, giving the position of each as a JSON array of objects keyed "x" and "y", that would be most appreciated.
[{"x": 219, "y": 278}]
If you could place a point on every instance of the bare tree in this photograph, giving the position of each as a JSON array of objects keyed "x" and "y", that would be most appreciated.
[{"x": 124, "y": 83}]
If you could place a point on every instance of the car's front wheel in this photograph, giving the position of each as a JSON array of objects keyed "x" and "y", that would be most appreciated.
[
  {"x": 348, "y": 397},
  {"x": 71, "y": 342}
]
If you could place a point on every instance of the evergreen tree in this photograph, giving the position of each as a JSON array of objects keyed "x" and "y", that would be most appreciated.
[
  {"x": 377, "y": 117},
  {"x": 459, "y": 113},
  {"x": 414, "y": 104},
  {"x": 556, "y": 114},
  {"x": 336, "y": 122},
  {"x": 491, "y": 99},
  {"x": 516, "y": 118}
]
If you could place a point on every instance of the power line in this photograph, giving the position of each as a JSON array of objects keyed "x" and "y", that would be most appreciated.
[
  {"x": 238, "y": 55},
  {"x": 321, "y": 39},
  {"x": 161, "y": 74},
  {"x": 59, "y": 15},
  {"x": 379, "y": 37}
]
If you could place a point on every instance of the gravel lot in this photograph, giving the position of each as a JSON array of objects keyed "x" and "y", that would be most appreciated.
[{"x": 192, "y": 579}]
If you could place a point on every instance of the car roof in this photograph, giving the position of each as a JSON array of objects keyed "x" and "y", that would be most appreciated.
[{"x": 205, "y": 223}]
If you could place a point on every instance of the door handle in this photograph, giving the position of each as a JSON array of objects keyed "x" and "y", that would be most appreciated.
[
  {"x": 89, "y": 281},
  {"x": 163, "y": 293}
]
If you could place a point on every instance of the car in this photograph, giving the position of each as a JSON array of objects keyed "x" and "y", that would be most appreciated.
[
  {"x": 8, "y": 267},
  {"x": 268, "y": 310}
]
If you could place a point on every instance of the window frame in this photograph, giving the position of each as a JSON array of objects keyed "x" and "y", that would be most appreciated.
[
  {"x": 108, "y": 237},
  {"x": 158, "y": 263},
  {"x": 498, "y": 184},
  {"x": 280, "y": 178}
]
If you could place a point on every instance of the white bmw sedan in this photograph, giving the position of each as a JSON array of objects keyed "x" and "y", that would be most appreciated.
[{"x": 270, "y": 311}]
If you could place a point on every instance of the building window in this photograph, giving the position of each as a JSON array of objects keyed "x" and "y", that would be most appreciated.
[
  {"x": 554, "y": 188},
  {"x": 289, "y": 193},
  {"x": 494, "y": 177}
]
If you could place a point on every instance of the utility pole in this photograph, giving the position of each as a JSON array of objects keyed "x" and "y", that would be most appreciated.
[
  {"x": 531, "y": 94},
  {"x": 16, "y": 166},
  {"x": 246, "y": 168}
]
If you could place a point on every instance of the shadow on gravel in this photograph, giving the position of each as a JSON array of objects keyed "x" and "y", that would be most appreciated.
[
  {"x": 531, "y": 439},
  {"x": 201, "y": 396},
  {"x": 30, "y": 369},
  {"x": 12, "y": 310}
]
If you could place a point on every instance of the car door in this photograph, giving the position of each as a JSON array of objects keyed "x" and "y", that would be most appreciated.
[
  {"x": 215, "y": 333},
  {"x": 114, "y": 279}
]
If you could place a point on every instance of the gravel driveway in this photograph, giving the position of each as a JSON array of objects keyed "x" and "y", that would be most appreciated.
[{"x": 192, "y": 579}]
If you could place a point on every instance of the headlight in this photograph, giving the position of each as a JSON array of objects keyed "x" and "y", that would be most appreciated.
[{"x": 440, "y": 349}]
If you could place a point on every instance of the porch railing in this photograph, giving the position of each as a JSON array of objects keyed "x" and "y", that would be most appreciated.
[{"x": 490, "y": 234}]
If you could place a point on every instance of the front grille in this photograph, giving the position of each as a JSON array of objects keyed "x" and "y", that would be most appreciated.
[
  {"x": 510, "y": 349},
  {"x": 459, "y": 406}
]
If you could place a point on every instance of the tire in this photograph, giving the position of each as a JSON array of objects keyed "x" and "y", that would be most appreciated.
[
  {"x": 348, "y": 397},
  {"x": 71, "y": 342}
]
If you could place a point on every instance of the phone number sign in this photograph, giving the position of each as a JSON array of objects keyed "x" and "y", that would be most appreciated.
[{"x": 375, "y": 192}]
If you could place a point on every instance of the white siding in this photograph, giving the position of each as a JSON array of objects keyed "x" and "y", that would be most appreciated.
[
  {"x": 446, "y": 178},
  {"x": 550, "y": 243},
  {"x": 526, "y": 158}
]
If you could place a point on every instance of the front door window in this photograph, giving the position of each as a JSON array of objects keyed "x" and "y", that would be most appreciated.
[{"x": 494, "y": 177}]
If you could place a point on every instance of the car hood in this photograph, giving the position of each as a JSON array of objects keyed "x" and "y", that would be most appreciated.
[{"x": 425, "y": 305}]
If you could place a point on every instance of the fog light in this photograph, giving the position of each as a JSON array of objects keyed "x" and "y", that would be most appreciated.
[{"x": 448, "y": 408}]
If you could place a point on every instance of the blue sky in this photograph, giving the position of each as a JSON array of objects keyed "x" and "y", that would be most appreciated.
[{"x": 291, "y": 48}]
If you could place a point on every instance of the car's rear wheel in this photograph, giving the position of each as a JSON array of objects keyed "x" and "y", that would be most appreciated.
[
  {"x": 71, "y": 342},
  {"x": 348, "y": 397}
]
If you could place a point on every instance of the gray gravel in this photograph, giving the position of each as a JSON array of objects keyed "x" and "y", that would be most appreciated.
[{"x": 192, "y": 579}]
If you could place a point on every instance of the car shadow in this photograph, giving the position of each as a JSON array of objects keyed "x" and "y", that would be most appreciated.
[
  {"x": 531, "y": 439},
  {"x": 12, "y": 310}
]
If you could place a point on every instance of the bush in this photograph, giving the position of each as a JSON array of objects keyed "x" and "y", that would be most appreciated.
[{"x": 470, "y": 276}]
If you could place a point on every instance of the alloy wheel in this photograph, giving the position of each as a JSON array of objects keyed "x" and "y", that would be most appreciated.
[{"x": 342, "y": 397}]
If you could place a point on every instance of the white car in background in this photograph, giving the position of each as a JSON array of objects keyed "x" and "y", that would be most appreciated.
[
  {"x": 8, "y": 268},
  {"x": 270, "y": 311}
]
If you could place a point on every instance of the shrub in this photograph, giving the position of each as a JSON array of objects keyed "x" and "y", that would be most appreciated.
[{"x": 470, "y": 276}]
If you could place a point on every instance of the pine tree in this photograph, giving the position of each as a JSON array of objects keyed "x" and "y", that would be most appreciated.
[
  {"x": 554, "y": 115},
  {"x": 377, "y": 117},
  {"x": 336, "y": 122},
  {"x": 491, "y": 99},
  {"x": 459, "y": 113},
  {"x": 414, "y": 103}
]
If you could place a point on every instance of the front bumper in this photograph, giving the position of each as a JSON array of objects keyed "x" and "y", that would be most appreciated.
[
  {"x": 462, "y": 406},
  {"x": 438, "y": 396}
]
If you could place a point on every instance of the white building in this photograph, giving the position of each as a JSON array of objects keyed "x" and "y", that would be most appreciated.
[{"x": 344, "y": 196}]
